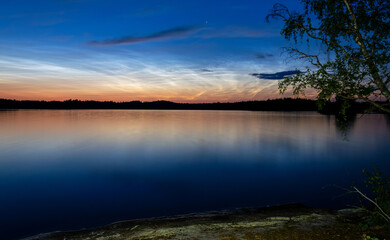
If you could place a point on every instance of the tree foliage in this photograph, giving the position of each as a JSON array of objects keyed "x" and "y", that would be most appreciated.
[
  {"x": 380, "y": 188},
  {"x": 355, "y": 37}
]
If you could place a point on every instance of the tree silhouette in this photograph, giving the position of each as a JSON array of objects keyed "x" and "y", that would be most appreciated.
[{"x": 355, "y": 37}]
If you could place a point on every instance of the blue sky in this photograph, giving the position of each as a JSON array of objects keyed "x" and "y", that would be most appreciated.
[{"x": 183, "y": 51}]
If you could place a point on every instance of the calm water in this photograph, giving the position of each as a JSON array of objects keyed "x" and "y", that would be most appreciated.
[{"x": 71, "y": 169}]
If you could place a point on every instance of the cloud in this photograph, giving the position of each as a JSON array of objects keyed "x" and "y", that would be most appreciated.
[
  {"x": 274, "y": 76},
  {"x": 268, "y": 92},
  {"x": 183, "y": 31},
  {"x": 264, "y": 55},
  {"x": 172, "y": 33},
  {"x": 237, "y": 31}
]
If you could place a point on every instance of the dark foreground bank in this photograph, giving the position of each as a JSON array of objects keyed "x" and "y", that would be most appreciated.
[
  {"x": 281, "y": 222},
  {"x": 285, "y": 104}
]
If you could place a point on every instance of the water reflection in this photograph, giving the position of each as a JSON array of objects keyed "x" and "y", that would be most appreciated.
[
  {"x": 344, "y": 124},
  {"x": 78, "y": 168}
]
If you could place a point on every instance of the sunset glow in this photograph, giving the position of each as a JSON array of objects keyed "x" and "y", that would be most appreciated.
[{"x": 144, "y": 50}]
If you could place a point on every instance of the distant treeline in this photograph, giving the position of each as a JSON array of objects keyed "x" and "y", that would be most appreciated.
[{"x": 285, "y": 104}]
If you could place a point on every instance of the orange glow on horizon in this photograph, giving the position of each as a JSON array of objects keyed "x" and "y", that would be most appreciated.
[
  {"x": 178, "y": 97},
  {"x": 112, "y": 89}
]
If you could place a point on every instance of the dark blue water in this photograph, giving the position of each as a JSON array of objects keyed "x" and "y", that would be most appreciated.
[{"x": 62, "y": 170}]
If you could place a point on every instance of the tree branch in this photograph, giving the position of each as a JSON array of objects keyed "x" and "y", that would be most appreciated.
[
  {"x": 377, "y": 105},
  {"x": 382, "y": 213},
  {"x": 307, "y": 31},
  {"x": 360, "y": 41}
]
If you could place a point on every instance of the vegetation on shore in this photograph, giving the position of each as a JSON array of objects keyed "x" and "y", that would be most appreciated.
[
  {"x": 353, "y": 60},
  {"x": 283, "y": 104}
]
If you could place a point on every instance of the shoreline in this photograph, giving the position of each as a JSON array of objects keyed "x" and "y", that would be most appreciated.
[
  {"x": 281, "y": 104},
  {"x": 290, "y": 221}
]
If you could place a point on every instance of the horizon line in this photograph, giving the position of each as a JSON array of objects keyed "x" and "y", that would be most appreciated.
[{"x": 160, "y": 100}]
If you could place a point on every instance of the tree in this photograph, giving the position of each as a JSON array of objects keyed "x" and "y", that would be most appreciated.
[{"x": 354, "y": 35}]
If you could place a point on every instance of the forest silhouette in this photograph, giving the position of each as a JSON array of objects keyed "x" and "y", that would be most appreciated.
[{"x": 283, "y": 104}]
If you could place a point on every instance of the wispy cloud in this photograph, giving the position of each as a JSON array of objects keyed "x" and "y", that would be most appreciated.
[
  {"x": 274, "y": 76},
  {"x": 106, "y": 76},
  {"x": 264, "y": 55},
  {"x": 237, "y": 31},
  {"x": 193, "y": 31},
  {"x": 206, "y": 70},
  {"x": 172, "y": 33}
]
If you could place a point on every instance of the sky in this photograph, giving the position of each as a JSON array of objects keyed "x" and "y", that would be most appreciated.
[{"x": 125, "y": 50}]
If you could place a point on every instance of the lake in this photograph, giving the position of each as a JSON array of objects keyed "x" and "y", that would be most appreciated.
[{"x": 72, "y": 169}]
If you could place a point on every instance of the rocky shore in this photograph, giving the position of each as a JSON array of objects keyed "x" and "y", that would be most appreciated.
[{"x": 281, "y": 222}]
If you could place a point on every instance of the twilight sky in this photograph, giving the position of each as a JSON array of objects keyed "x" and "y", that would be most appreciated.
[{"x": 123, "y": 50}]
